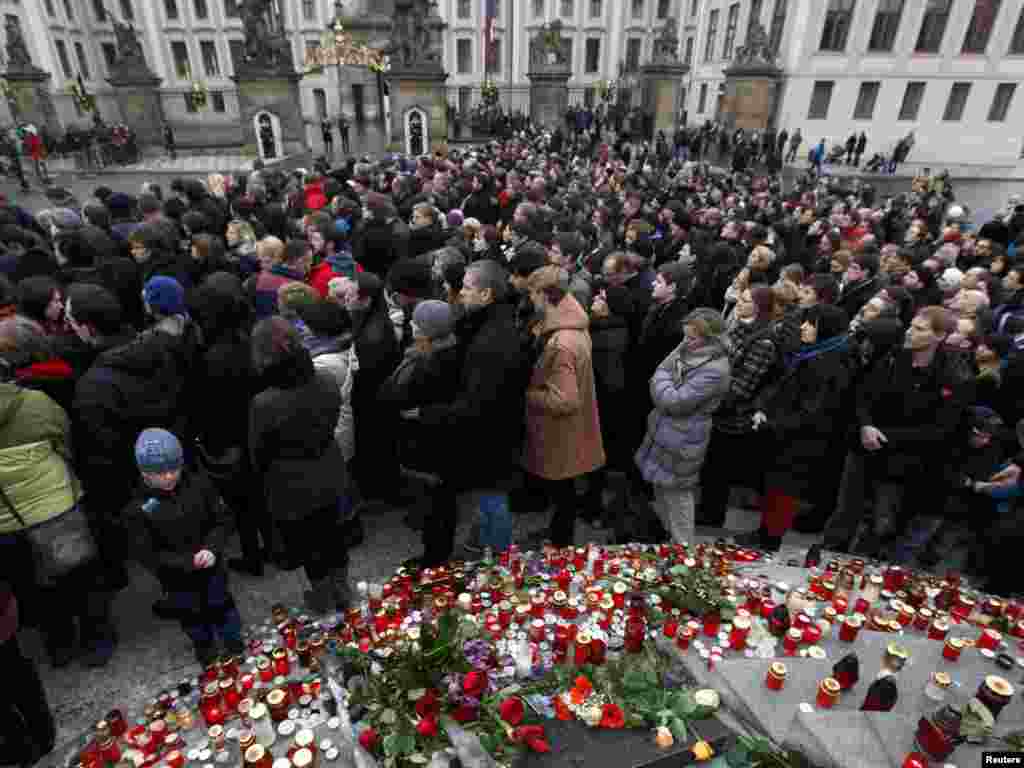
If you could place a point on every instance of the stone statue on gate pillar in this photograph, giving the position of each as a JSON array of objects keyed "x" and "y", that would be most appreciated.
[
  {"x": 18, "y": 57},
  {"x": 549, "y": 50},
  {"x": 757, "y": 49},
  {"x": 414, "y": 38},
  {"x": 129, "y": 50},
  {"x": 666, "y": 45},
  {"x": 263, "y": 48}
]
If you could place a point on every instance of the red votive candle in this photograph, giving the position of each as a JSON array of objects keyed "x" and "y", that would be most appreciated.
[
  {"x": 990, "y": 639},
  {"x": 739, "y": 633},
  {"x": 952, "y": 649},
  {"x": 775, "y": 680},
  {"x": 582, "y": 649},
  {"x": 850, "y": 628},
  {"x": 812, "y": 635},
  {"x": 712, "y": 622},
  {"x": 828, "y": 693},
  {"x": 597, "y": 651},
  {"x": 791, "y": 641}
]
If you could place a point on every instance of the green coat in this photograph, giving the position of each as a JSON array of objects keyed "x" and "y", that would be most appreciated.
[{"x": 35, "y": 436}]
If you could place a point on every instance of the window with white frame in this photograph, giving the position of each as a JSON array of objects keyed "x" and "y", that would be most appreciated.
[
  {"x": 912, "y": 98},
  {"x": 464, "y": 56},
  {"x": 980, "y": 29},
  {"x": 731, "y": 21},
  {"x": 821, "y": 98},
  {"x": 709, "y": 43},
  {"x": 887, "y": 24},
  {"x": 838, "y": 19},
  {"x": 957, "y": 102},
  {"x": 1001, "y": 102},
  {"x": 208, "y": 49},
  {"x": 933, "y": 26}
]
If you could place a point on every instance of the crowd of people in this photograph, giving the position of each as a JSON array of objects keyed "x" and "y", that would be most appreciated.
[{"x": 622, "y": 340}]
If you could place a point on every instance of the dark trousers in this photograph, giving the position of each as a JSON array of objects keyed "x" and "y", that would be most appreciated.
[
  {"x": 316, "y": 541},
  {"x": 207, "y": 611},
  {"x": 328, "y": 146},
  {"x": 731, "y": 459},
  {"x": 376, "y": 459},
  {"x": 27, "y": 730},
  {"x": 246, "y": 501},
  {"x": 440, "y": 523},
  {"x": 561, "y": 493}
]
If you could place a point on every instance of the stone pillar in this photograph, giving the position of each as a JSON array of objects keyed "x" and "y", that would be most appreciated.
[
  {"x": 138, "y": 98},
  {"x": 549, "y": 97},
  {"x": 274, "y": 93},
  {"x": 661, "y": 92},
  {"x": 30, "y": 100},
  {"x": 422, "y": 90}
]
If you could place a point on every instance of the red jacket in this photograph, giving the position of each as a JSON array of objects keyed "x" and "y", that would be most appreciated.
[{"x": 314, "y": 198}]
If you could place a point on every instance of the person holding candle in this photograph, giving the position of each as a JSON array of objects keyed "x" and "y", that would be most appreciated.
[
  {"x": 801, "y": 412},
  {"x": 177, "y": 530},
  {"x": 686, "y": 389},
  {"x": 563, "y": 430}
]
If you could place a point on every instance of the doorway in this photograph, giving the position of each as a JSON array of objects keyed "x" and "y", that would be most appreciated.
[
  {"x": 359, "y": 101},
  {"x": 417, "y": 137}
]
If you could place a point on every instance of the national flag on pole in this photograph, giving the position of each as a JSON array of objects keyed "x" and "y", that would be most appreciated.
[{"x": 490, "y": 33}]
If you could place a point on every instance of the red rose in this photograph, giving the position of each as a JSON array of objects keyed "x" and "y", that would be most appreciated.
[
  {"x": 464, "y": 714},
  {"x": 511, "y": 710},
  {"x": 612, "y": 717},
  {"x": 532, "y": 736},
  {"x": 427, "y": 727},
  {"x": 474, "y": 684},
  {"x": 428, "y": 705},
  {"x": 368, "y": 739}
]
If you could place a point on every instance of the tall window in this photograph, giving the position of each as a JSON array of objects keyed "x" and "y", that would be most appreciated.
[
  {"x": 592, "y": 59},
  {"x": 50, "y": 10},
  {"x": 69, "y": 10},
  {"x": 231, "y": 9},
  {"x": 838, "y": 18},
  {"x": 730, "y": 30},
  {"x": 127, "y": 11},
  {"x": 237, "y": 50},
  {"x": 633, "y": 54},
  {"x": 217, "y": 100},
  {"x": 100, "y": 10},
  {"x": 663, "y": 8},
  {"x": 190, "y": 106},
  {"x": 688, "y": 60},
  {"x": 638, "y": 9},
  {"x": 933, "y": 26},
  {"x": 957, "y": 102},
  {"x": 171, "y": 8},
  {"x": 821, "y": 97},
  {"x": 778, "y": 25},
  {"x": 702, "y": 100},
  {"x": 1017, "y": 43},
  {"x": 182, "y": 68},
  {"x": 496, "y": 55},
  {"x": 694, "y": 6},
  {"x": 320, "y": 97},
  {"x": 595, "y": 9},
  {"x": 1001, "y": 102},
  {"x": 912, "y": 98},
  {"x": 65, "y": 62},
  {"x": 83, "y": 61},
  {"x": 866, "y": 99},
  {"x": 538, "y": 9},
  {"x": 464, "y": 55},
  {"x": 109, "y": 56},
  {"x": 887, "y": 24},
  {"x": 211, "y": 63},
  {"x": 462, "y": 9},
  {"x": 588, "y": 97},
  {"x": 202, "y": 10},
  {"x": 709, "y": 44},
  {"x": 980, "y": 29},
  {"x": 568, "y": 11}
]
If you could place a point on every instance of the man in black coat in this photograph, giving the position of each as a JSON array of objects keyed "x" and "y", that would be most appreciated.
[
  {"x": 486, "y": 421},
  {"x": 382, "y": 238},
  {"x": 860, "y": 283},
  {"x": 377, "y": 349}
]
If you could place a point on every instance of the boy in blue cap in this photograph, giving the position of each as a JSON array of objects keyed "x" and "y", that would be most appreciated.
[{"x": 178, "y": 532}]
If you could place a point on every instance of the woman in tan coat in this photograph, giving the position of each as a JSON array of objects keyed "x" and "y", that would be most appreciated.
[{"x": 563, "y": 430}]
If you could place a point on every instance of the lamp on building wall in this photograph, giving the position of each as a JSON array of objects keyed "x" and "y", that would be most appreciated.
[
  {"x": 84, "y": 100},
  {"x": 199, "y": 95}
]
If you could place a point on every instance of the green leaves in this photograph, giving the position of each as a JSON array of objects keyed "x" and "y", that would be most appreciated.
[{"x": 401, "y": 741}]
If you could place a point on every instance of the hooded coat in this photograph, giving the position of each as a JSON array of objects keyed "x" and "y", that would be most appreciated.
[
  {"x": 806, "y": 409},
  {"x": 563, "y": 429},
  {"x": 686, "y": 388}
]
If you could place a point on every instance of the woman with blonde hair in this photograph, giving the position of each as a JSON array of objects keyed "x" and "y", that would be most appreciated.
[
  {"x": 686, "y": 389},
  {"x": 241, "y": 242}
]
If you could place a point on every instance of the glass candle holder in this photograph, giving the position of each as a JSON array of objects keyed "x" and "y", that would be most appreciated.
[
  {"x": 937, "y": 687},
  {"x": 938, "y": 630},
  {"x": 995, "y": 693},
  {"x": 952, "y": 649},
  {"x": 740, "y": 632},
  {"x": 598, "y": 650},
  {"x": 670, "y": 628},
  {"x": 850, "y": 628},
  {"x": 989, "y": 639},
  {"x": 581, "y": 652},
  {"x": 791, "y": 642},
  {"x": 712, "y": 623},
  {"x": 828, "y": 693},
  {"x": 775, "y": 680}
]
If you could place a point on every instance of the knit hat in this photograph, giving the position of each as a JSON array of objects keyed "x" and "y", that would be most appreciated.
[
  {"x": 454, "y": 218},
  {"x": 432, "y": 320},
  {"x": 380, "y": 205},
  {"x": 165, "y": 295},
  {"x": 157, "y": 450},
  {"x": 119, "y": 202}
]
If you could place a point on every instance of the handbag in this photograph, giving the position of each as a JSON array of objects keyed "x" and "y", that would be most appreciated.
[{"x": 60, "y": 544}]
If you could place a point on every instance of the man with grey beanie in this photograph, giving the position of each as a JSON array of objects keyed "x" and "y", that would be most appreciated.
[{"x": 429, "y": 375}]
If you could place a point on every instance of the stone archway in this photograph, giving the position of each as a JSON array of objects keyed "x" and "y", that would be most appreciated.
[
  {"x": 417, "y": 132},
  {"x": 268, "y": 136}
]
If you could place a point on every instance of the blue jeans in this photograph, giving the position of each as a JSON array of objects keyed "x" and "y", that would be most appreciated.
[{"x": 495, "y": 521}]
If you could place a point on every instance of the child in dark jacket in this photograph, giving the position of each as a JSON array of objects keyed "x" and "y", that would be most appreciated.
[{"x": 177, "y": 530}]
